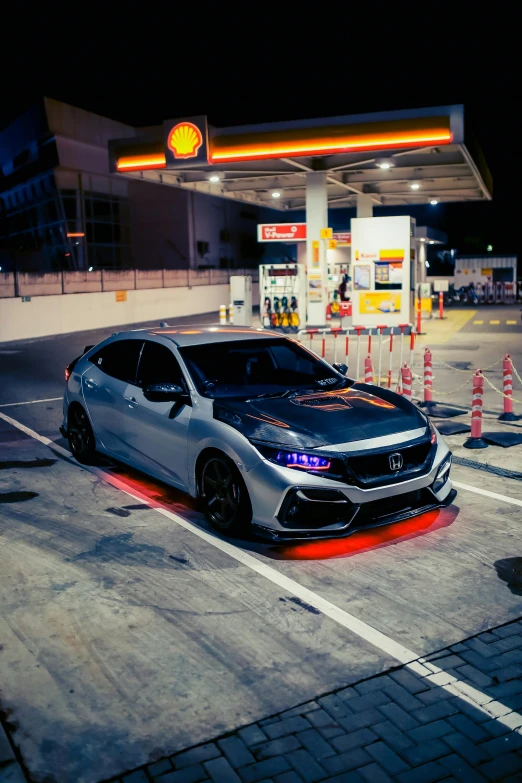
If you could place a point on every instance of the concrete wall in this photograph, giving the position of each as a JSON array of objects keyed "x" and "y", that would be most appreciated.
[
  {"x": 48, "y": 315},
  {"x": 49, "y": 283}
]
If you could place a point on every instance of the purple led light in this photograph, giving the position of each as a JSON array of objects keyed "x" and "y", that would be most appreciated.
[{"x": 303, "y": 461}]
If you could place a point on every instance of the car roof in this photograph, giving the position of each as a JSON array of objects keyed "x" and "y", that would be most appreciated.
[{"x": 203, "y": 334}]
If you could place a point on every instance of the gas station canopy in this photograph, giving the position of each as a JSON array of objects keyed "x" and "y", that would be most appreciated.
[{"x": 392, "y": 158}]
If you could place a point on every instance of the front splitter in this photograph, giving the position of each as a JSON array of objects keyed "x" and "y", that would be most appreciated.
[{"x": 316, "y": 535}]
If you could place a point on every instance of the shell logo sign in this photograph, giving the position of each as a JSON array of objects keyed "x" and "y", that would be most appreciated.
[{"x": 185, "y": 140}]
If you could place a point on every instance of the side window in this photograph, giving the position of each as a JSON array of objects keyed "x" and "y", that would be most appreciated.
[
  {"x": 119, "y": 359},
  {"x": 158, "y": 365}
]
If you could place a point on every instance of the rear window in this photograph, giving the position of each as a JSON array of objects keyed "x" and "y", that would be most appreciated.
[{"x": 119, "y": 359}]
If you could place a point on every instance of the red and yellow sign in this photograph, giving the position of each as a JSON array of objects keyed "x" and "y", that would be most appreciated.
[
  {"x": 121, "y": 296},
  {"x": 185, "y": 140},
  {"x": 343, "y": 238},
  {"x": 391, "y": 254},
  {"x": 281, "y": 232}
]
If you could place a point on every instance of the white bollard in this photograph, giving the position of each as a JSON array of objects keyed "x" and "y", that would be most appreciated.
[
  {"x": 231, "y": 314},
  {"x": 222, "y": 314}
]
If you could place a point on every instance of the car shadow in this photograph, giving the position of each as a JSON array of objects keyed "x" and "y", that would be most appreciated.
[{"x": 158, "y": 494}]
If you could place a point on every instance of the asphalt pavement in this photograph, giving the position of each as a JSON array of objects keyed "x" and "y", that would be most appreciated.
[{"x": 129, "y": 632}]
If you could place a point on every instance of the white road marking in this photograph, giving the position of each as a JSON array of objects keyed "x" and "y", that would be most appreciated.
[
  {"x": 29, "y": 402},
  {"x": 487, "y": 493},
  {"x": 417, "y": 664},
  {"x": 35, "y": 435}
]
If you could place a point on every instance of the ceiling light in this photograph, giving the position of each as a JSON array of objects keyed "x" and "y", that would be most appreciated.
[
  {"x": 214, "y": 178},
  {"x": 434, "y": 202},
  {"x": 385, "y": 163},
  {"x": 414, "y": 186},
  {"x": 276, "y": 194},
  {"x": 422, "y": 239},
  {"x": 90, "y": 269},
  {"x": 432, "y": 241},
  {"x": 489, "y": 248}
]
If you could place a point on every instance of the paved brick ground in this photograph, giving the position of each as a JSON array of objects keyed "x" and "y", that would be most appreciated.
[{"x": 399, "y": 726}]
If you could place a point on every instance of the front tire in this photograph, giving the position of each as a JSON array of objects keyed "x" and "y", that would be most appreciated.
[
  {"x": 224, "y": 496},
  {"x": 81, "y": 436}
]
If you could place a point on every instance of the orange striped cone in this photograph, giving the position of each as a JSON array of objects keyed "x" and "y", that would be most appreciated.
[{"x": 475, "y": 441}]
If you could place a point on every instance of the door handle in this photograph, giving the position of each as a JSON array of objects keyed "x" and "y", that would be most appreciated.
[
  {"x": 90, "y": 384},
  {"x": 132, "y": 401}
]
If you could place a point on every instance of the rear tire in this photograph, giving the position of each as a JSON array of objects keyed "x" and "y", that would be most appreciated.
[
  {"x": 224, "y": 496},
  {"x": 81, "y": 436}
]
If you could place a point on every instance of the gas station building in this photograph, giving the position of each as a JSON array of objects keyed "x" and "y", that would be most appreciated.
[{"x": 416, "y": 156}]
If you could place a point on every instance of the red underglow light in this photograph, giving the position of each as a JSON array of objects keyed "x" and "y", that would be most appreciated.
[
  {"x": 367, "y": 540},
  {"x": 158, "y": 495}
]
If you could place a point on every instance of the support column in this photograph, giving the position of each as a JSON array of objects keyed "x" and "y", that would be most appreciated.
[
  {"x": 420, "y": 272},
  {"x": 317, "y": 271},
  {"x": 364, "y": 205}
]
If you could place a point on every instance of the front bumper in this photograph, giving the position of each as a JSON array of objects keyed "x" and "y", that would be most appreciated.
[
  {"x": 304, "y": 506},
  {"x": 365, "y": 516}
]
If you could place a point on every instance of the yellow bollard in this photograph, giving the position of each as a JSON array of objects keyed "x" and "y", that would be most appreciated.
[
  {"x": 231, "y": 314},
  {"x": 222, "y": 314}
]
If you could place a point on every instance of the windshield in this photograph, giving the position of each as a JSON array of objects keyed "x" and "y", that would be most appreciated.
[{"x": 249, "y": 368}]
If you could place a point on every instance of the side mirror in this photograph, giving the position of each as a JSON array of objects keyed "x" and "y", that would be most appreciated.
[
  {"x": 340, "y": 367},
  {"x": 163, "y": 392}
]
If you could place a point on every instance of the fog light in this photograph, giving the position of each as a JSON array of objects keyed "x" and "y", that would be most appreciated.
[{"x": 442, "y": 475}]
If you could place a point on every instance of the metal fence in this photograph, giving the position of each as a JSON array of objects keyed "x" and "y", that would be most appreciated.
[{"x": 14, "y": 284}]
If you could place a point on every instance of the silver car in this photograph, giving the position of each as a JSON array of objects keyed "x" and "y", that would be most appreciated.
[{"x": 260, "y": 429}]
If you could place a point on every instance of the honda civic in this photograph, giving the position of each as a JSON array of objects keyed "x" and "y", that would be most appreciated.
[{"x": 267, "y": 435}]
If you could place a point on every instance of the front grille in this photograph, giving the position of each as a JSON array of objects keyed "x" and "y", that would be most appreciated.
[
  {"x": 373, "y": 468},
  {"x": 378, "y": 512}
]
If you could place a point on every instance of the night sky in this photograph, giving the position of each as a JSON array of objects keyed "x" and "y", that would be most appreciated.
[{"x": 258, "y": 63}]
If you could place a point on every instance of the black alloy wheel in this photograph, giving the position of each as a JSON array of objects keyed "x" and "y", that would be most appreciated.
[
  {"x": 224, "y": 496},
  {"x": 81, "y": 437}
]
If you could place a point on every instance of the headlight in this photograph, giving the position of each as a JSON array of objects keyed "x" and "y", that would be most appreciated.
[
  {"x": 293, "y": 459},
  {"x": 442, "y": 474},
  {"x": 329, "y": 467}
]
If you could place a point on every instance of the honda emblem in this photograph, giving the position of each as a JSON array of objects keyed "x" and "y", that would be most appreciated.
[{"x": 395, "y": 461}]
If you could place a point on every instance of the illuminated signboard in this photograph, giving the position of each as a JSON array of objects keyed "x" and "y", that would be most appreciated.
[
  {"x": 281, "y": 232},
  {"x": 185, "y": 142},
  {"x": 328, "y": 140}
]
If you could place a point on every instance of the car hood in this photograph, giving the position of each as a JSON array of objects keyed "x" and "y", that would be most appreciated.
[{"x": 315, "y": 419}]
